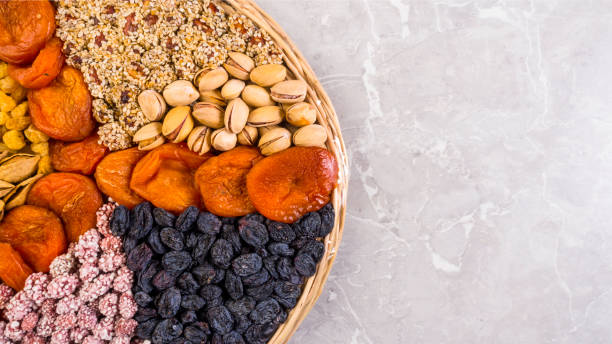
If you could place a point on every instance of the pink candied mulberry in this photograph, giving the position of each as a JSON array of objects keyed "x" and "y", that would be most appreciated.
[
  {"x": 92, "y": 340},
  {"x": 120, "y": 340},
  {"x": 29, "y": 322},
  {"x": 77, "y": 334},
  {"x": 98, "y": 287},
  {"x": 62, "y": 265},
  {"x": 86, "y": 255},
  {"x": 13, "y": 331},
  {"x": 18, "y": 307},
  {"x": 87, "y": 317},
  {"x": 36, "y": 287},
  {"x": 90, "y": 240},
  {"x": 48, "y": 308},
  {"x": 127, "y": 305},
  {"x": 88, "y": 272},
  {"x": 125, "y": 327},
  {"x": 111, "y": 244},
  {"x": 111, "y": 261},
  {"x": 103, "y": 216},
  {"x": 69, "y": 304},
  {"x": 32, "y": 338},
  {"x": 46, "y": 326},
  {"x": 104, "y": 329},
  {"x": 6, "y": 293},
  {"x": 108, "y": 305},
  {"x": 124, "y": 280},
  {"x": 66, "y": 321},
  {"x": 62, "y": 286},
  {"x": 60, "y": 336}
]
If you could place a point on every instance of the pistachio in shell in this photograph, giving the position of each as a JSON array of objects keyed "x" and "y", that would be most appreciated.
[
  {"x": 313, "y": 135},
  {"x": 209, "y": 114},
  {"x": 5, "y": 188},
  {"x": 256, "y": 96},
  {"x": 210, "y": 79},
  {"x": 268, "y": 75},
  {"x": 232, "y": 89},
  {"x": 274, "y": 141},
  {"x": 18, "y": 167},
  {"x": 301, "y": 114},
  {"x": 248, "y": 136},
  {"x": 19, "y": 194},
  {"x": 289, "y": 92},
  {"x": 265, "y": 116},
  {"x": 239, "y": 65}
]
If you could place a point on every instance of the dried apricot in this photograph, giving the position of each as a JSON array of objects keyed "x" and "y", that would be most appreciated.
[
  {"x": 113, "y": 176},
  {"x": 285, "y": 186},
  {"x": 80, "y": 157},
  {"x": 222, "y": 182},
  {"x": 25, "y": 27},
  {"x": 13, "y": 270},
  {"x": 36, "y": 233},
  {"x": 73, "y": 197},
  {"x": 62, "y": 110},
  {"x": 43, "y": 70},
  {"x": 165, "y": 177}
]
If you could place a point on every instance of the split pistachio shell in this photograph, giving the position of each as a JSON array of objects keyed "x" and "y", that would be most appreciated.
[
  {"x": 5, "y": 188},
  {"x": 178, "y": 124},
  {"x": 152, "y": 105},
  {"x": 239, "y": 65},
  {"x": 289, "y": 92},
  {"x": 18, "y": 167},
  {"x": 263, "y": 130},
  {"x": 180, "y": 93},
  {"x": 265, "y": 116},
  {"x": 19, "y": 194},
  {"x": 312, "y": 135},
  {"x": 149, "y": 136},
  {"x": 301, "y": 114},
  {"x": 223, "y": 140},
  {"x": 210, "y": 79},
  {"x": 248, "y": 136},
  {"x": 268, "y": 75},
  {"x": 209, "y": 114},
  {"x": 232, "y": 89},
  {"x": 213, "y": 96},
  {"x": 199, "y": 140},
  {"x": 256, "y": 96},
  {"x": 274, "y": 141},
  {"x": 236, "y": 115}
]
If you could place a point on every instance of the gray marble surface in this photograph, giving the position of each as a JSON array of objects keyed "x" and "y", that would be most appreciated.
[{"x": 479, "y": 135}]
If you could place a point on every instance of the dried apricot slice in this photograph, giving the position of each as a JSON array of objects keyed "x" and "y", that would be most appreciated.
[
  {"x": 285, "y": 186},
  {"x": 13, "y": 270},
  {"x": 43, "y": 70},
  {"x": 165, "y": 177},
  {"x": 25, "y": 27},
  {"x": 113, "y": 176},
  {"x": 80, "y": 157},
  {"x": 222, "y": 181},
  {"x": 73, "y": 197},
  {"x": 62, "y": 110},
  {"x": 36, "y": 233}
]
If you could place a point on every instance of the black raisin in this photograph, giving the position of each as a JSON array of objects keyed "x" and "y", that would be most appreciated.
[
  {"x": 305, "y": 265},
  {"x": 228, "y": 220},
  {"x": 252, "y": 217},
  {"x": 233, "y": 338},
  {"x": 314, "y": 248},
  {"x": 166, "y": 331},
  {"x": 254, "y": 233},
  {"x": 253, "y": 335},
  {"x": 204, "y": 273},
  {"x": 155, "y": 243},
  {"x": 203, "y": 326},
  {"x": 220, "y": 319},
  {"x": 120, "y": 221},
  {"x": 187, "y": 283},
  {"x": 164, "y": 280},
  {"x": 187, "y": 317},
  {"x": 300, "y": 242},
  {"x": 281, "y": 249},
  {"x": 163, "y": 218},
  {"x": 268, "y": 329},
  {"x": 270, "y": 264},
  {"x": 328, "y": 217},
  {"x": 144, "y": 314},
  {"x": 215, "y": 302},
  {"x": 262, "y": 252},
  {"x": 281, "y": 317},
  {"x": 141, "y": 221},
  {"x": 281, "y": 232},
  {"x": 195, "y": 334},
  {"x": 176, "y": 261},
  {"x": 231, "y": 235},
  {"x": 144, "y": 330},
  {"x": 129, "y": 244},
  {"x": 262, "y": 292},
  {"x": 309, "y": 225},
  {"x": 287, "y": 289},
  {"x": 204, "y": 244},
  {"x": 210, "y": 292},
  {"x": 256, "y": 279},
  {"x": 285, "y": 268},
  {"x": 146, "y": 275},
  {"x": 191, "y": 240},
  {"x": 142, "y": 299},
  {"x": 139, "y": 257},
  {"x": 193, "y": 302},
  {"x": 221, "y": 253},
  {"x": 242, "y": 323},
  {"x": 187, "y": 219},
  {"x": 181, "y": 340},
  {"x": 241, "y": 306},
  {"x": 172, "y": 238},
  {"x": 247, "y": 264},
  {"x": 233, "y": 285},
  {"x": 169, "y": 303},
  {"x": 217, "y": 339},
  {"x": 288, "y": 303},
  {"x": 209, "y": 224},
  {"x": 219, "y": 276},
  {"x": 296, "y": 278}
]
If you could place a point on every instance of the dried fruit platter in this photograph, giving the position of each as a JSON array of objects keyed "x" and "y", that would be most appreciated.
[{"x": 170, "y": 171}]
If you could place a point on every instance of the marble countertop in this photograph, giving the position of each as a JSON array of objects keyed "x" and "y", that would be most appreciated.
[{"x": 479, "y": 135}]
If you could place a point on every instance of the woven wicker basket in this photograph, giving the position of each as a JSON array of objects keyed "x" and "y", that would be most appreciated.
[{"x": 326, "y": 116}]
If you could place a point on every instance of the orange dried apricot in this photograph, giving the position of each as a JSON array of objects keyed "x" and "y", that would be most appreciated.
[
  {"x": 165, "y": 177},
  {"x": 13, "y": 270},
  {"x": 62, "y": 110},
  {"x": 80, "y": 157},
  {"x": 113, "y": 176},
  {"x": 43, "y": 70},
  {"x": 36, "y": 233},
  {"x": 73, "y": 197},
  {"x": 285, "y": 186},
  {"x": 222, "y": 181},
  {"x": 25, "y": 27}
]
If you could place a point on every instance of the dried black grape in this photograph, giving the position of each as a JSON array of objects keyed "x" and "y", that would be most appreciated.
[
  {"x": 209, "y": 224},
  {"x": 313, "y": 248},
  {"x": 141, "y": 221},
  {"x": 296, "y": 278},
  {"x": 191, "y": 240},
  {"x": 164, "y": 280},
  {"x": 247, "y": 264},
  {"x": 210, "y": 292},
  {"x": 187, "y": 219},
  {"x": 215, "y": 302},
  {"x": 309, "y": 225},
  {"x": 219, "y": 276},
  {"x": 252, "y": 217},
  {"x": 228, "y": 220},
  {"x": 287, "y": 289},
  {"x": 169, "y": 303},
  {"x": 328, "y": 216},
  {"x": 254, "y": 233},
  {"x": 270, "y": 265},
  {"x": 166, "y": 331},
  {"x": 204, "y": 273},
  {"x": 144, "y": 330},
  {"x": 262, "y": 292},
  {"x": 268, "y": 329},
  {"x": 281, "y": 232},
  {"x": 253, "y": 335},
  {"x": 233, "y": 338},
  {"x": 233, "y": 285},
  {"x": 221, "y": 253},
  {"x": 129, "y": 244},
  {"x": 231, "y": 235},
  {"x": 203, "y": 326},
  {"x": 300, "y": 242},
  {"x": 192, "y": 302},
  {"x": 204, "y": 244},
  {"x": 187, "y": 317},
  {"x": 242, "y": 323},
  {"x": 220, "y": 319},
  {"x": 305, "y": 265},
  {"x": 146, "y": 275},
  {"x": 281, "y": 249},
  {"x": 195, "y": 334},
  {"x": 155, "y": 243},
  {"x": 139, "y": 257},
  {"x": 144, "y": 314},
  {"x": 281, "y": 317},
  {"x": 241, "y": 306},
  {"x": 142, "y": 299},
  {"x": 256, "y": 279},
  {"x": 120, "y": 221},
  {"x": 163, "y": 217},
  {"x": 181, "y": 340},
  {"x": 216, "y": 339},
  {"x": 172, "y": 238},
  {"x": 285, "y": 268},
  {"x": 262, "y": 252},
  {"x": 187, "y": 284},
  {"x": 288, "y": 303},
  {"x": 176, "y": 261}
]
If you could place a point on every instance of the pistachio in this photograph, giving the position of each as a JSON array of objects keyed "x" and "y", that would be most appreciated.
[
  {"x": 213, "y": 96},
  {"x": 312, "y": 135},
  {"x": 248, "y": 136},
  {"x": 289, "y": 92},
  {"x": 301, "y": 114},
  {"x": 18, "y": 167},
  {"x": 223, "y": 140},
  {"x": 149, "y": 136},
  {"x": 268, "y": 75},
  {"x": 180, "y": 92},
  {"x": 209, "y": 114},
  {"x": 274, "y": 141},
  {"x": 178, "y": 124},
  {"x": 5, "y": 188},
  {"x": 152, "y": 105},
  {"x": 263, "y": 130},
  {"x": 199, "y": 140},
  {"x": 210, "y": 79},
  {"x": 236, "y": 115},
  {"x": 256, "y": 96},
  {"x": 2, "y": 205},
  {"x": 265, "y": 116},
  {"x": 232, "y": 89},
  {"x": 19, "y": 194},
  {"x": 239, "y": 65}
]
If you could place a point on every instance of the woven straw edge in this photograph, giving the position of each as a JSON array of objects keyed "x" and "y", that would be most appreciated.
[{"x": 327, "y": 117}]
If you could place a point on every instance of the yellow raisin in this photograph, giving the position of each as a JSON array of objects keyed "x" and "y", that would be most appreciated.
[
  {"x": 35, "y": 135},
  {"x": 44, "y": 165},
  {"x": 20, "y": 110},
  {"x": 8, "y": 85},
  {"x": 14, "y": 140},
  {"x": 6, "y": 103},
  {"x": 3, "y": 69},
  {"x": 19, "y": 94},
  {"x": 18, "y": 123},
  {"x": 40, "y": 148},
  {"x": 3, "y": 117}
]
